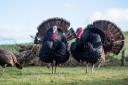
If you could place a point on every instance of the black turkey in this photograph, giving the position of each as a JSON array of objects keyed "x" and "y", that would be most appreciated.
[
  {"x": 96, "y": 41},
  {"x": 53, "y": 35}
]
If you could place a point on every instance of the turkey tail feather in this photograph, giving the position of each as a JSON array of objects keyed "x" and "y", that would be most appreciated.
[
  {"x": 61, "y": 23},
  {"x": 114, "y": 38}
]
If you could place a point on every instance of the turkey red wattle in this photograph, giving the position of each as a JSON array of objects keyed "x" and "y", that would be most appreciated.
[
  {"x": 54, "y": 36},
  {"x": 79, "y": 33}
]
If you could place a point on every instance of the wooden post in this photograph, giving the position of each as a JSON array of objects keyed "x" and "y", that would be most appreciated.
[{"x": 123, "y": 57}]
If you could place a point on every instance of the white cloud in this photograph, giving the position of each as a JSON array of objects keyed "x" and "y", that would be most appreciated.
[
  {"x": 16, "y": 33},
  {"x": 116, "y": 15}
]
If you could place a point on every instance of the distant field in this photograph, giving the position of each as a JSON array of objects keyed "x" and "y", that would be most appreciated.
[
  {"x": 13, "y": 47},
  {"x": 64, "y": 76}
]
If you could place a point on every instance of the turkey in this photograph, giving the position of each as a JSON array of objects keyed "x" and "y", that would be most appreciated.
[
  {"x": 7, "y": 58},
  {"x": 52, "y": 34},
  {"x": 96, "y": 41}
]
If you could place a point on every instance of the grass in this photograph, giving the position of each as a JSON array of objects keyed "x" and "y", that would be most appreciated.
[
  {"x": 12, "y": 47},
  {"x": 65, "y": 76}
]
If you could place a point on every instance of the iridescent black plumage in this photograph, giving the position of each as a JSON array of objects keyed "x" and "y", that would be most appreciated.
[{"x": 88, "y": 48}]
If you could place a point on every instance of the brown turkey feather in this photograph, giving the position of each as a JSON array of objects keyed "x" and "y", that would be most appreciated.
[
  {"x": 59, "y": 22},
  {"x": 114, "y": 38}
]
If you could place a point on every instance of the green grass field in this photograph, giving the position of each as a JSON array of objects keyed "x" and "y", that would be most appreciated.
[{"x": 65, "y": 76}]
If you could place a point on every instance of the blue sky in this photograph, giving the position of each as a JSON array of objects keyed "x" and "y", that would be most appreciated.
[{"x": 19, "y": 18}]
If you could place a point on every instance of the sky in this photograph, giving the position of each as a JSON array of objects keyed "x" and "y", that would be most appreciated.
[{"x": 19, "y": 19}]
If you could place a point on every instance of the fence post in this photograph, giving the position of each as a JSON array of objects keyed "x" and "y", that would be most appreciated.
[{"x": 123, "y": 57}]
